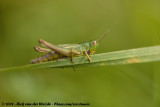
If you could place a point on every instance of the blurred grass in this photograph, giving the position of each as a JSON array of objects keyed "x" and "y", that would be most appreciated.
[{"x": 133, "y": 24}]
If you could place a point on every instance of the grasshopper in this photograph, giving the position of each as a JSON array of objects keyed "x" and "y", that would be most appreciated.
[{"x": 56, "y": 52}]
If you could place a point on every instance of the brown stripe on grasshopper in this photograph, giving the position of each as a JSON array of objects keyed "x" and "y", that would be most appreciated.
[{"x": 52, "y": 55}]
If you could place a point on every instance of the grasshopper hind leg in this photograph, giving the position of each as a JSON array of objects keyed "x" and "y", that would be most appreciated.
[
  {"x": 42, "y": 50},
  {"x": 55, "y": 48}
]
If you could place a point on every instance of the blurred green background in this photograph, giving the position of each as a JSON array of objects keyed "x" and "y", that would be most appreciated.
[{"x": 133, "y": 24}]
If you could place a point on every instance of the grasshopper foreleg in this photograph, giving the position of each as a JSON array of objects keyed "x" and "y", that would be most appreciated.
[{"x": 89, "y": 59}]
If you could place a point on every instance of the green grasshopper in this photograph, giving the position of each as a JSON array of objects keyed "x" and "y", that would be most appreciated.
[{"x": 56, "y": 52}]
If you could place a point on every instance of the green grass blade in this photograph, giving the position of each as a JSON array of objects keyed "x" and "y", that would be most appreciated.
[{"x": 139, "y": 55}]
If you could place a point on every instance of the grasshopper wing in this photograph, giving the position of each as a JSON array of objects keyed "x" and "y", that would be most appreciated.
[
  {"x": 62, "y": 49},
  {"x": 68, "y": 46}
]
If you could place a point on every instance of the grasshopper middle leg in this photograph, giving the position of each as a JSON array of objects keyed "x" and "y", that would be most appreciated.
[{"x": 72, "y": 55}]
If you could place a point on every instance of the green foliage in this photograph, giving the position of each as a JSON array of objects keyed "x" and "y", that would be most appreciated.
[{"x": 140, "y": 55}]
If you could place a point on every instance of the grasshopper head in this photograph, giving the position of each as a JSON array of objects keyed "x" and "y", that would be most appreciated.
[{"x": 94, "y": 44}]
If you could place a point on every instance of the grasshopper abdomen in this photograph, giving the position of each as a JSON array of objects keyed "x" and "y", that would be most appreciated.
[{"x": 52, "y": 55}]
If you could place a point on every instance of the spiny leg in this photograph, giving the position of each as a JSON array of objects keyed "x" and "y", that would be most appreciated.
[
  {"x": 62, "y": 51},
  {"x": 44, "y": 43},
  {"x": 89, "y": 59},
  {"x": 42, "y": 50},
  {"x": 54, "y": 48}
]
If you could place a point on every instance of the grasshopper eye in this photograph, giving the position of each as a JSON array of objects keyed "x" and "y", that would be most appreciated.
[{"x": 94, "y": 43}]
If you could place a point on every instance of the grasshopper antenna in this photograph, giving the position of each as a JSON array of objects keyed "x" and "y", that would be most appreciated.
[{"x": 103, "y": 35}]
